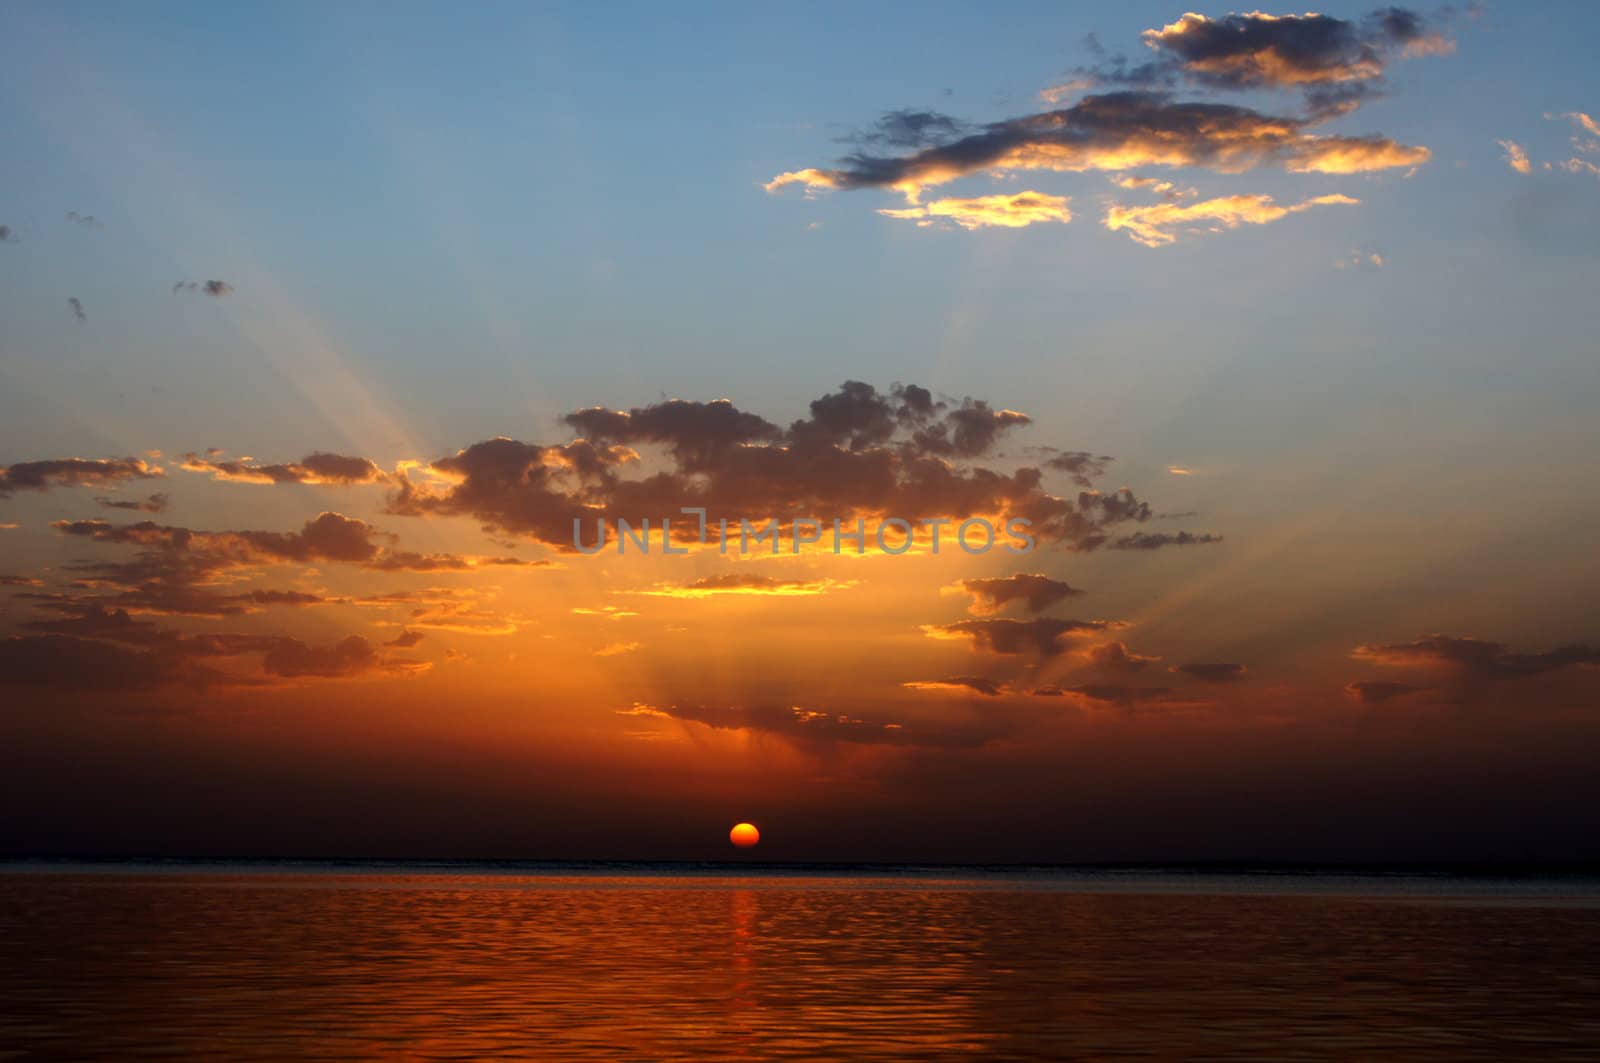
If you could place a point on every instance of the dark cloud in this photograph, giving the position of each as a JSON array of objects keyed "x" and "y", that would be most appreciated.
[
  {"x": 215, "y": 289},
  {"x": 1256, "y": 50},
  {"x": 406, "y": 639},
  {"x": 84, "y": 219},
  {"x": 175, "y": 568},
  {"x": 76, "y": 306},
  {"x": 156, "y": 503},
  {"x": 276, "y": 597},
  {"x": 860, "y": 453},
  {"x": 1157, "y": 540},
  {"x": 1337, "y": 64},
  {"x": 1116, "y": 132},
  {"x": 318, "y": 468},
  {"x": 73, "y": 472},
  {"x": 61, "y": 662},
  {"x": 1116, "y": 657},
  {"x": 1220, "y": 672},
  {"x": 8, "y": 235},
  {"x": 1084, "y": 468},
  {"x": 908, "y": 129},
  {"x": 1375, "y": 692},
  {"x": 1034, "y": 592},
  {"x": 1476, "y": 657},
  {"x": 1043, "y": 636},
  {"x": 293, "y": 659}
]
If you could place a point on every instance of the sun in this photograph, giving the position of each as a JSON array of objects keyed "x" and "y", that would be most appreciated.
[{"x": 744, "y": 835}]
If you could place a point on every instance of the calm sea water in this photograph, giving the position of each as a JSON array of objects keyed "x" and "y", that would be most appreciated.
[{"x": 330, "y": 963}]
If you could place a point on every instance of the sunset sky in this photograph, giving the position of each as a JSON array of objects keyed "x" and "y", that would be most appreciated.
[{"x": 320, "y": 325}]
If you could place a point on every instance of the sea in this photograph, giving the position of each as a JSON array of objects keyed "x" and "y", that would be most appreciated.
[{"x": 385, "y": 960}]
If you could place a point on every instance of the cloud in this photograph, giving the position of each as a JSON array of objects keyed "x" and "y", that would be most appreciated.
[
  {"x": 1153, "y": 225},
  {"x": 76, "y": 306},
  {"x": 1014, "y": 211},
  {"x": 616, "y": 649},
  {"x": 88, "y": 220},
  {"x": 319, "y": 468},
  {"x": 861, "y": 453},
  {"x": 1155, "y": 185},
  {"x": 1157, "y": 540},
  {"x": 156, "y": 503},
  {"x": 1117, "y": 132},
  {"x": 1116, "y": 657},
  {"x": 989, "y": 688},
  {"x": 1110, "y": 693},
  {"x": 64, "y": 663},
  {"x": 1375, "y": 692},
  {"x": 8, "y": 235},
  {"x": 215, "y": 289},
  {"x": 1043, "y": 636},
  {"x": 908, "y": 129},
  {"x": 745, "y": 583},
  {"x": 175, "y": 566},
  {"x": 1084, "y": 468},
  {"x": 1257, "y": 50},
  {"x": 353, "y": 656},
  {"x": 1034, "y": 592},
  {"x": 1213, "y": 673},
  {"x": 406, "y": 639},
  {"x": 1477, "y": 658},
  {"x": 73, "y": 472},
  {"x": 1365, "y": 261},
  {"x": 1516, "y": 157},
  {"x": 812, "y": 727}
]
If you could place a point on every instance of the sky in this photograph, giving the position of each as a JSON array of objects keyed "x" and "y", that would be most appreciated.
[{"x": 321, "y": 327}]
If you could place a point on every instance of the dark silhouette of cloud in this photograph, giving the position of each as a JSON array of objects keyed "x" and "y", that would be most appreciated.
[
  {"x": 215, "y": 289},
  {"x": 1476, "y": 657},
  {"x": 318, "y": 468},
  {"x": 73, "y": 472},
  {"x": 1043, "y": 636},
  {"x": 862, "y": 453},
  {"x": 156, "y": 503},
  {"x": 1034, "y": 592},
  {"x": 1220, "y": 672},
  {"x": 1116, "y": 657},
  {"x": 1157, "y": 540}
]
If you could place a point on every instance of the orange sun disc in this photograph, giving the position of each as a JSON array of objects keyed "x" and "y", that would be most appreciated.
[{"x": 744, "y": 835}]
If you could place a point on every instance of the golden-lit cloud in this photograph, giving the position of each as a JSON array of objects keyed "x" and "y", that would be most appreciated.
[
  {"x": 1014, "y": 211},
  {"x": 739, "y": 584},
  {"x": 1044, "y": 636},
  {"x": 1154, "y": 225},
  {"x": 960, "y": 684},
  {"x": 1516, "y": 156},
  {"x": 319, "y": 468},
  {"x": 616, "y": 649}
]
